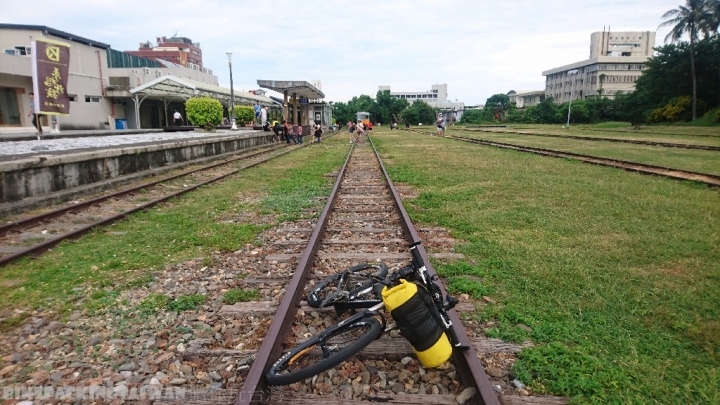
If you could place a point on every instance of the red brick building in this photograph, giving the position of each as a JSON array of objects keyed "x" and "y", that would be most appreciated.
[{"x": 179, "y": 50}]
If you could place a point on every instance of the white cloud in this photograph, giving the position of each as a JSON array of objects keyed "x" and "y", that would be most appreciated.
[{"x": 478, "y": 48}]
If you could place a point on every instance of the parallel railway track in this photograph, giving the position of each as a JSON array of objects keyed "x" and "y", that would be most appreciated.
[
  {"x": 37, "y": 234},
  {"x": 591, "y": 138},
  {"x": 705, "y": 178}
]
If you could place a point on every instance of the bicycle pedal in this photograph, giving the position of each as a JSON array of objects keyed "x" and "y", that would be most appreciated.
[
  {"x": 451, "y": 302},
  {"x": 463, "y": 347}
]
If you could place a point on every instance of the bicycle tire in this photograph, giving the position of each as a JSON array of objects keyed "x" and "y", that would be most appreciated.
[
  {"x": 323, "y": 291},
  {"x": 308, "y": 368}
]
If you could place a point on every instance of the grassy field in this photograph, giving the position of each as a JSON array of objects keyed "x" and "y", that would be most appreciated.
[
  {"x": 615, "y": 133},
  {"x": 624, "y": 127},
  {"x": 616, "y": 273},
  {"x": 687, "y": 159},
  {"x": 125, "y": 254}
]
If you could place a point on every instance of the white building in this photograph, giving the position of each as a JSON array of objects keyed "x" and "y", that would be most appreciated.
[
  {"x": 526, "y": 98},
  {"x": 616, "y": 61},
  {"x": 436, "y": 97},
  {"x": 99, "y": 81}
]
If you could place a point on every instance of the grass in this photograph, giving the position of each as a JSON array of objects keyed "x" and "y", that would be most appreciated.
[
  {"x": 612, "y": 124},
  {"x": 126, "y": 254},
  {"x": 239, "y": 295},
  {"x": 616, "y": 274},
  {"x": 686, "y": 159}
]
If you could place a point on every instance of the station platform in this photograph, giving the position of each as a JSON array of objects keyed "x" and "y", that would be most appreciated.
[
  {"x": 60, "y": 169},
  {"x": 27, "y": 133}
]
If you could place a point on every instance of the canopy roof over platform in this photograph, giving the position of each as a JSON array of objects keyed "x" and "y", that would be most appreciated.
[
  {"x": 301, "y": 89},
  {"x": 173, "y": 87}
]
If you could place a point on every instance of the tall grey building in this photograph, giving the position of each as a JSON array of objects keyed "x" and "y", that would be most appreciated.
[{"x": 616, "y": 61}]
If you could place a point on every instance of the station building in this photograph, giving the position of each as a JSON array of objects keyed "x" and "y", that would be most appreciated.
[
  {"x": 616, "y": 61},
  {"x": 101, "y": 81},
  {"x": 526, "y": 98},
  {"x": 436, "y": 97}
]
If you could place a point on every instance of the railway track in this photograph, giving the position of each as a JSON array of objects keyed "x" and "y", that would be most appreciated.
[
  {"x": 590, "y": 138},
  {"x": 36, "y": 234},
  {"x": 363, "y": 220},
  {"x": 705, "y": 178},
  {"x": 640, "y": 131}
]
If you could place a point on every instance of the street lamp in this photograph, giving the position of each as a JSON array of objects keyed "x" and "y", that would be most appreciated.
[
  {"x": 232, "y": 95},
  {"x": 572, "y": 85}
]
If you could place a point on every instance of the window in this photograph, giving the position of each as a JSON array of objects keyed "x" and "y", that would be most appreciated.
[
  {"x": 23, "y": 50},
  {"x": 92, "y": 99},
  {"x": 9, "y": 52},
  {"x": 73, "y": 97},
  {"x": 434, "y": 95}
]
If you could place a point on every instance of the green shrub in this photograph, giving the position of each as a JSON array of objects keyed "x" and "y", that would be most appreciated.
[
  {"x": 244, "y": 114},
  {"x": 204, "y": 112},
  {"x": 677, "y": 109}
]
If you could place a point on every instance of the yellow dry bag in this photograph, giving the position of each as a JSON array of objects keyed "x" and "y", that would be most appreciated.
[{"x": 412, "y": 309}]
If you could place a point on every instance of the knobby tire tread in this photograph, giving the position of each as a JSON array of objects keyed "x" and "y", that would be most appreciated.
[{"x": 273, "y": 378}]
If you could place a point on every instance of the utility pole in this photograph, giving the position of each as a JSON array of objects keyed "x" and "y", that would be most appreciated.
[
  {"x": 572, "y": 85},
  {"x": 232, "y": 95}
]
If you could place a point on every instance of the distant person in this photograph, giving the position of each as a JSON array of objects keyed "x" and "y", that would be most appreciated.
[
  {"x": 277, "y": 129},
  {"x": 351, "y": 129},
  {"x": 177, "y": 117},
  {"x": 299, "y": 134},
  {"x": 360, "y": 129},
  {"x": 441, "y": 127},
  {"x": 256, "y": 106},
  {"x": 318, "y": 131},
  {"x": 288, "y": 131},
  {"x": 263, "y": 116},
  {"x": 35, "y": 117},
  {"x": 407, "y": 125},
  {"x": 369, "y": 126}
]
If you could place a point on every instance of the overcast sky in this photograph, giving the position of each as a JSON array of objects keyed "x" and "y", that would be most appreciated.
[{"x": 478, "y": 48}]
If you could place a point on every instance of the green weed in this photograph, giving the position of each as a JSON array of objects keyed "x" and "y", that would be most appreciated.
[
  {"x": 186, "y": 302},
  {"x": 239, "y": 295}
]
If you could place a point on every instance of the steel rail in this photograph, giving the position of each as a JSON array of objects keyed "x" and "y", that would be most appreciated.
[
  {"x": 38, "y": 219},
  {"x": 255, "y": 389},
  {"x": 41, "y": 247},
  {"x": 706, "y": 178},
  {"x": 471, "y": 371},
  {"x": 592, "y": 138}
]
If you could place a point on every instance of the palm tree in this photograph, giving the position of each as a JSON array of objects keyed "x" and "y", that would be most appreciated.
[
  {"x": 688, "y": 19},
  {"x": 711, "y": 25}
]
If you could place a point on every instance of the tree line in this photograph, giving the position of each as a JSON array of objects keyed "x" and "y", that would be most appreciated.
[
  {"x": 385, "y": 108},
  {"x": 667, "y": 90}
]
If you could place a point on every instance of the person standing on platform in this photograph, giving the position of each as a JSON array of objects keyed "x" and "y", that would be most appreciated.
[
  {"x": 256, "y": 106},
  {"x": 35, "y": 117},
  {"x": 407, "y": 125},
  {"x": 263, "y": 116},
  {"x": 177, "y": 117}
]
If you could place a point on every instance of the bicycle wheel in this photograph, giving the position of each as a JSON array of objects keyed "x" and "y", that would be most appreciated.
[
  {"x": 322, "y": 353},
  {"x": 353, "y": 284}
]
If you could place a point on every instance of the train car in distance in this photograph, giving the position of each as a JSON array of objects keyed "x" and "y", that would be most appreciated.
[{"x": 363, "y": 117}]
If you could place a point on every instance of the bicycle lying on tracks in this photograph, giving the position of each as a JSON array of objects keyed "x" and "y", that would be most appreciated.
[{"x": 355, "y": 288}]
